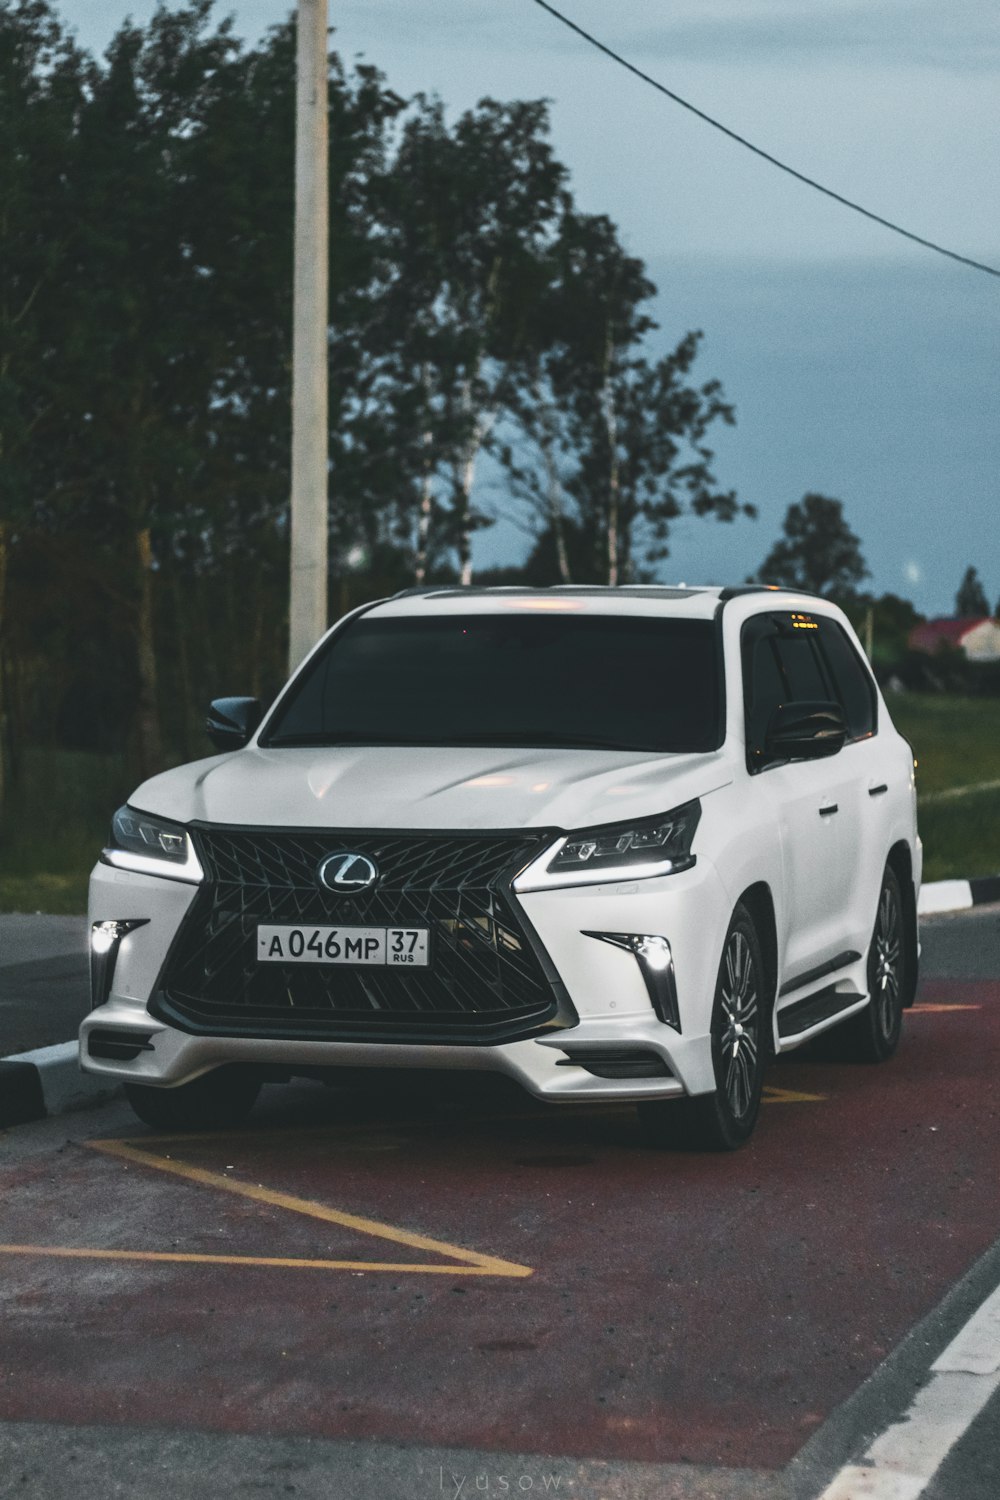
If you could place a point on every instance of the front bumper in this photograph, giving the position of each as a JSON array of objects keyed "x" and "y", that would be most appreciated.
[{"x": 604, "y": 983}]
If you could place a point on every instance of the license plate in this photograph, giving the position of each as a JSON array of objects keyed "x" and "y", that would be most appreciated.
[{"x": 386, "y": 947}]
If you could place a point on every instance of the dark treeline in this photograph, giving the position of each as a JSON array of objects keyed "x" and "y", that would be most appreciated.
[{"x": 146, "y": 206}]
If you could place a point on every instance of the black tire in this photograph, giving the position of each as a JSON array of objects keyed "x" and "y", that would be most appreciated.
[
  {"x": 724, "y": 1120},
  {"x": 872, "y": 1036},
  {"x": 216, "y": 1101}
]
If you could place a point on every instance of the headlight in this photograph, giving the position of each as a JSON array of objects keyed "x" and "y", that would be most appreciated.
[
  {"x": 152, "y": 846},
  {"x": 617, "y": 851}
]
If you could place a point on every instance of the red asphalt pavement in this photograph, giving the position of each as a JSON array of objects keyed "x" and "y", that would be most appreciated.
[{"x": 709, "y": 1309}]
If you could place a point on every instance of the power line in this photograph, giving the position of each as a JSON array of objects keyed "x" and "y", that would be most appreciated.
[{"x": 907, "y": 234}]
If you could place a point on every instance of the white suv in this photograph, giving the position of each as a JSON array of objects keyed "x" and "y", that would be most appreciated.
[{"x": 618, "y": 844}]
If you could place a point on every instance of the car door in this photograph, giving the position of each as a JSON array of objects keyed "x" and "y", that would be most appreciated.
[
  {"x": 875, "y": 770},
  {"x": 811, "y": 804}
]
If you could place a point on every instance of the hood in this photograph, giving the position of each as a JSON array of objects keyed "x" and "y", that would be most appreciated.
[{"x": 428, "y": 788}]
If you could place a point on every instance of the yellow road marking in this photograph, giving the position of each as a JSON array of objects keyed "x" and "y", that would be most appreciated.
[
  {"x": 934, "y": 1010},
  {"x": 254, "y": 1260},
  {"x": 277, "y": 1136},
  {"x": 482, "y": 1265},
  {"x": 789, "y": 1096}
]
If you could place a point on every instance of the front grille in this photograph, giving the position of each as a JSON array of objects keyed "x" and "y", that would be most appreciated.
[{"x": 488, "y": 979}]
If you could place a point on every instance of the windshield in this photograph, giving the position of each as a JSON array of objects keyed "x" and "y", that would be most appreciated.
[{"x": 606, "y": 682}]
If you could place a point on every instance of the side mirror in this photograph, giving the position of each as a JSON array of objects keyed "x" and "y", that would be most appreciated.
[
  {"x": 805, "y": 731},
  {"x": 232, "y": 721}
]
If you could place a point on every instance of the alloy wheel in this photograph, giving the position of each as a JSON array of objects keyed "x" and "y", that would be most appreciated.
[
  {"x": 739, "y": 1031},
  {"x": 887, "y": 951}
]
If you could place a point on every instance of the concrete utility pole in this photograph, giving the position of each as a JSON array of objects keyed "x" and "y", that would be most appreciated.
[{"x": 307, "y": 603}]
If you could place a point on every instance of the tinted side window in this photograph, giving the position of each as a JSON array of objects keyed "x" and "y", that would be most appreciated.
[
  {"x": 800, "y": 664},
  {"x": 763, "y": 687},
  {"x": 854, "y": 686}
]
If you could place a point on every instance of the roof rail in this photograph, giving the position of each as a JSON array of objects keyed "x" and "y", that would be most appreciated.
[
  {"x": 554, "y": 588},
  {"x": 467, "y": 588},
  {"x": 736, "y": 591},
  {"x": 425, "y": 588}
]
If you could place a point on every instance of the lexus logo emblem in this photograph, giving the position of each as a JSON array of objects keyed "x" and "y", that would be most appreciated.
[{"x": 347, "y": 873}]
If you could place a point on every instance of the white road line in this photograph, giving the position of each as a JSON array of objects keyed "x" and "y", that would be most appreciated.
[
  {"x": 958, "y": 791},
  {"x": 904, "y": 1459}
]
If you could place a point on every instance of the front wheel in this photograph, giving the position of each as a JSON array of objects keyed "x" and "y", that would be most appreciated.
[
  {"x": 724, "y": 1120},
  {"x": 216, "y": 1101}
]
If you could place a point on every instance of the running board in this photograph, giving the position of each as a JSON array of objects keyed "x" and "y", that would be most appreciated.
[
  {"x": 831, "y": 966},
  {"x": 803, "y": 1015}
]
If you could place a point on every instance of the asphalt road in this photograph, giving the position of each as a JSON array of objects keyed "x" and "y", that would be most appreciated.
[
  {"x": 394, "y": 1292},
  {"x": 44, "y": 980}
]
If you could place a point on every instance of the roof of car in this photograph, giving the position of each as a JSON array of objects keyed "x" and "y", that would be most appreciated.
[{"x": 680, "y": 600}]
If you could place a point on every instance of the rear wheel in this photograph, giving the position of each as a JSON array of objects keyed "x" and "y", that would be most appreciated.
[
  {"x": 723, "y": 1121},
  {"x": 215, "y": 1101},
  {"x": 873, "y": 1034}
]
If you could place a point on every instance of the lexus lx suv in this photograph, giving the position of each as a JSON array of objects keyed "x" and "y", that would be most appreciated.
[{"x": 617, "y": 844}]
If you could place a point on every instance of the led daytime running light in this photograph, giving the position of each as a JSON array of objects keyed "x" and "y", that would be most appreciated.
[
  {"x": 151, "y": 846},
  {"x": 621, "y": 851}
]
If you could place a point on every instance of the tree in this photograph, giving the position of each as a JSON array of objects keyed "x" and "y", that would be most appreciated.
[
  {"x": 145, "y": 314},
  {"x": 43, "y": 83},
  {"x": 613, "y": 443},
  {"x": 644, "y": 461},
  {"x": 890, "y": 619},
  {"x": 155, "y": 283},
  {"x": 473, "y": 210},
  {"x": 970, "y": 601},
  {"x": 818, "y": 552}
]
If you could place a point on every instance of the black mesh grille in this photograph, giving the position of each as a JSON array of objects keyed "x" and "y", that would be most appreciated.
[{"x": 487, "y": 980}]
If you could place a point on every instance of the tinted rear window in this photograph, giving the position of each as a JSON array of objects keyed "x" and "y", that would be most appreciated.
[{"x": 610, "y": 682}]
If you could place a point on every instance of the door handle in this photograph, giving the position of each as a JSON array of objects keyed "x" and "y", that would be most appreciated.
[
  {"x": 829, "y": 810},
  {"x": 876, "y": 791}
]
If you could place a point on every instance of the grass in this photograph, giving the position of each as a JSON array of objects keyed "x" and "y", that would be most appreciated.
[
  {"x": 54, "y": 825},
  {"x": 56, "y": 818},
  {"x": 956, "y": 742},
  {"x": 961, "y": 838}
]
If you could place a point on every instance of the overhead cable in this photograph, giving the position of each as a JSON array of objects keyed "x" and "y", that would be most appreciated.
[{"x": 965, "y": 260}]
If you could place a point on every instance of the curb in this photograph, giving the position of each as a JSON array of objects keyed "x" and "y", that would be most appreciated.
[
  {"x": 48, "y": 1081},
  {"x": 957, "y": 895}
]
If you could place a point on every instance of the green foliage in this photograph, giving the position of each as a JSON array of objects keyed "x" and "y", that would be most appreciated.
[
  {"x": 55, "y": 830},
  {"x": 146, "y": 210},
  {"x": 611, "y": 446},
  {"x": 818, "y": 551},
  {"x": 891, "y": 619},
  {"x": 970, "y": 601}
]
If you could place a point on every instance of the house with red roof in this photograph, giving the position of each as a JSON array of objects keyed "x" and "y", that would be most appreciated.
[{"x": 977, "y": 639}]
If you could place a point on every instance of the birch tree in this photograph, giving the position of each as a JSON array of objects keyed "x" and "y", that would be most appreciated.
[{"x": 476, "y": 207}]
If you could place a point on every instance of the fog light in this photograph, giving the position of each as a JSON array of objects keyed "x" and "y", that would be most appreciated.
[
  {"x": 104, "y": 936},
  {"x": 655, "y": 954},
  {"x": 656, "y": 964},
  {"x": 105, "y": 940}
]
